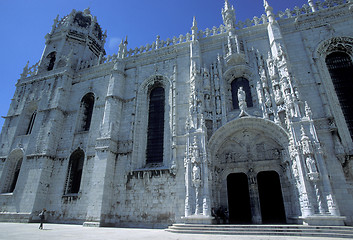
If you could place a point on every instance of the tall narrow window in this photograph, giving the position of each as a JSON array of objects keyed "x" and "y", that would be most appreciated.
[
  {"x": 340, "y": 67},
  {"x": 51, "y": 59},
  {"x": 16, "y": 173},
  {"x": 155, "y": 135},
  {"x": 12, "y": 173},
  {"x": 73, "y": 180},
  {"x": 31, "y": 123},
  {"x": 235, "y": 85},
  {"x": 87, "y": 104}
]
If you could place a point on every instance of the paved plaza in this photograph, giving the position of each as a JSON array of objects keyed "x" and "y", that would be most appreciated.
[{"x": 20, "y": 231}]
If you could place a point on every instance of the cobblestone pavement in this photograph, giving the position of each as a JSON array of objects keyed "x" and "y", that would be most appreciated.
[{"x": 29, "y": 231}]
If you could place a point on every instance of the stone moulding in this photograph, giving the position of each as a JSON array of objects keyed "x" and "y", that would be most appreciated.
[{"x": 150, "y": 172}]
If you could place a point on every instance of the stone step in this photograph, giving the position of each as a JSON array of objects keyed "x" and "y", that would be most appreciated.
[{"x": 282, "y": 230}]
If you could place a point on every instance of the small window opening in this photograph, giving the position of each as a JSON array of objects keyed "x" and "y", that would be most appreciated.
[
  {"x": 51, "y": 57},
  {"x": 87, "y": 105},
  {"x": 31, "y": 123}
]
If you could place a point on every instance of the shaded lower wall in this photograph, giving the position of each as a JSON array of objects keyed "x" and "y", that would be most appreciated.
[{"x": 148, "y": 198}]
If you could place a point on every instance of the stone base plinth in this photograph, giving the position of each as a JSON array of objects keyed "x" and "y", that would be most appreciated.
[
  {"x": 323, "y": 220},
  {"x": 16, "y": 217},
  {"x": 197, "y": 219},
  {"x": 91, "y": 224}
]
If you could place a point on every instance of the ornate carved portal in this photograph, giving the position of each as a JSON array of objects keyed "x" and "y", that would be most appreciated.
[{"x": 252, "y": 180}]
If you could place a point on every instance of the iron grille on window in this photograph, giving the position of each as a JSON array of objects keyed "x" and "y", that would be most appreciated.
[
  {"x": 155, "y": 136},
  {"x": 340, "y": 67}
]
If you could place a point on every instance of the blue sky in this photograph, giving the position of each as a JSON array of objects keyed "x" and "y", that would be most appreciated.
[{"x": 24, "y": 23}]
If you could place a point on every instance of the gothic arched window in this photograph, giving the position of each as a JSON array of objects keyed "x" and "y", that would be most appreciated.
[
  {"x": 340, "y": 67},
  {"x": 73, "y": 179},
  {"x": 12, "y": 173},
  {"x": 235, "y": 85},
  {"x": 87, "y": 104},
  {"x": 31, "y": 122},
  {"x": 51, "y": 60},
  {"x": 155, "y": 134}
]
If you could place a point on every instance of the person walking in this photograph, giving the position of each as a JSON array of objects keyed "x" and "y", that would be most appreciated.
[{"x": 42, "y": 218}]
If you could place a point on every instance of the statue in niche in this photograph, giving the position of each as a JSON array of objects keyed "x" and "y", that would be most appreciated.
[
  {"x": 308, "y": 112},
  {"x": 278, "y": 96},
  {"x": 268, "y": 98},
  {"x": 196, "y": 175},
  {"x": 271, "y": 66},
  {"x": 281, "y": 56},
  {"x": 252, "y": 176},
  {"x": 206, "y": 80},
  {"x": 263, "y": 75},
  {"x": 242, "y": 100},
  {"x": 311, "y": 164},
  {"x": 218, "y": 104},
  {"x": 216, "y": 82},
  {"x": 306, "y": 145},
  {"x": 208, "y": 103}
]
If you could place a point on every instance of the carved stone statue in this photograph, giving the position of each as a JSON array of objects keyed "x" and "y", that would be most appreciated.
[
  {"x": 311, "y": 164},
  {"x": 241, "y": 100},
  {"x": 196, "y": 175},
  {"x": 208, "y": 103}
]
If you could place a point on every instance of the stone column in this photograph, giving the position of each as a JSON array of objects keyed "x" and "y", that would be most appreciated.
[
  {"x": 254, "y": 198},
  {"x": 206, "y": 210}
]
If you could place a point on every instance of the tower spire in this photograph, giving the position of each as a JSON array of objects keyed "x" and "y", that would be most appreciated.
[{"x": 228, "y": 15}]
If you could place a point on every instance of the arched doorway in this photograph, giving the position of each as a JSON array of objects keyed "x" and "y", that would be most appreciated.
[
  {"x": 271, "y": 199},
  {"x": 240, "y": 151},
  {"x": 238, "y": 198}
]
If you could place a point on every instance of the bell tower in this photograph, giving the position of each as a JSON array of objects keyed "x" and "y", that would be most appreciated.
[{"x": 74, "y": 40}]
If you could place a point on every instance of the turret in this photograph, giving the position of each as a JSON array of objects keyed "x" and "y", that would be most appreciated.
[{"x": 78, "y": 32}]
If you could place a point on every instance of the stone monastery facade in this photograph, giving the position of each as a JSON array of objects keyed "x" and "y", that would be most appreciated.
[{"x": 255, "y": 117}]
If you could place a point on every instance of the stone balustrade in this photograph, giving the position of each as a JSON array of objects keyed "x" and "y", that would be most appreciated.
[{"x": 158, "y": 44}]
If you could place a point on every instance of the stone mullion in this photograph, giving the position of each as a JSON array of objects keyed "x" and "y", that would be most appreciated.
[{"x": 255, "y": 202}]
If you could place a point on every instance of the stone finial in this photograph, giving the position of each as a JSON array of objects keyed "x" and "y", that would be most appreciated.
[
  {"x": 121, "y": 48},
  {"x": 226, "y": 5},
  {"x": 194, "y": 23},
  {"x": 25, "y": 70},
  {"x": 308, "y": 112},
  {"x": 312, "y": 5},
  {"x": 228, "y": 15},
  {"x": 87, "y": 11},
  {"x": 304, "y": 136},
  {"x": 56, "y": 20},
  {"x": 158, "y": 40},
  {"x": 194, "y": 29},
  {"x": 269, "y": 12}
]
